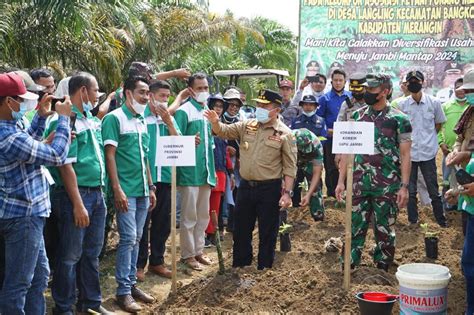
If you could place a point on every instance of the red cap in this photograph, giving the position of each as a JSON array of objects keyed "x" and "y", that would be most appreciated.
[
  {"x": 11, "y": 84},
  {"x": 286, "y": 83}
]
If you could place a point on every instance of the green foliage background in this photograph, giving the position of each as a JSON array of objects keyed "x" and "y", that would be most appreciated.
[{"x": 104, "y": 36}]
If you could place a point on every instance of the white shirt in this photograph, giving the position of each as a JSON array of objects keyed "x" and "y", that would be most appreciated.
[{"x": 423, "y": 117}]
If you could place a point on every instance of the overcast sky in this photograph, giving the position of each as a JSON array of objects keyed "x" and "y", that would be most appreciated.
[{"x": 283, "y": 11}]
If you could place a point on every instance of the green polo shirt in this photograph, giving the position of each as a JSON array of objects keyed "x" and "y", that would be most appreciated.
[
  {"x": 190, "y": 120},
  {"x": 453, "y": 112},
  {"x": 86, "y": 152},
  {"x": 127, "y": 132},
  {"x": 156, "y": 129}
]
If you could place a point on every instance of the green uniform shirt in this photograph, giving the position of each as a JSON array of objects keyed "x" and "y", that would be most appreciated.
[
  {"x": 191, "y": 121},
  {"x": 380, "y": 173},
  {"x": 156, "y": 129},
  {"x": 86, "y": 152},
  {"x": 465, "y": 202},
  {"x": 127, "y": 132},
  {"x": 315, "y": 158},
  {"x": 453, "y": 111}
]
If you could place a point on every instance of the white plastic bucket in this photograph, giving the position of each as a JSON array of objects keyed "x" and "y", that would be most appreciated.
[{"x": 423, "y": 289}]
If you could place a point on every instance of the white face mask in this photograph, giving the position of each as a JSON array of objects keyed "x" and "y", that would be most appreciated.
[
  {"x": 202, "y": 97},
  {"x": 161, "y": 104},
  {"x": 137, "y": 107}
]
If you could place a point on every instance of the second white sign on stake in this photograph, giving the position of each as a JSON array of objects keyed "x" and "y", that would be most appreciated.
[
  {"x": 176, "y": 151},
  {"x": 350, "y": 137}
]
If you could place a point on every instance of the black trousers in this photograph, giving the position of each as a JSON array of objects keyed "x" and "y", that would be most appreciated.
[
  {"x": 428, "y": 170},
  {"x": 51, "y": 227},
  {"x": 332, "y": 173},
  {"x": 256, "y": 202},
  {"x": 160, "y": 229}
]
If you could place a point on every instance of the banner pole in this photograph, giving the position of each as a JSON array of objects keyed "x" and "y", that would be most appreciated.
[
  {"x": 348, "y": 224},
  {"x": 173, "y": 231}
]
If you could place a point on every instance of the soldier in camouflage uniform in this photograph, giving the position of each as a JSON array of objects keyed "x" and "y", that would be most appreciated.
[
  {"x": 310, "y": 160},
  {"x": 380, "y": 180}
]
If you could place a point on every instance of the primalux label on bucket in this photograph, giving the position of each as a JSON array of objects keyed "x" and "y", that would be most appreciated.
[{"x": 417, "y": 302}]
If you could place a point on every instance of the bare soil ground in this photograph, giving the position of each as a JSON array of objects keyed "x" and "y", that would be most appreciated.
[{"x": 306, "y": 280}]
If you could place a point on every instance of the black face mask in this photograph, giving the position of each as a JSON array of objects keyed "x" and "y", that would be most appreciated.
[
  {"x": 370, "y": 98},
  {"x": 358, "y": 96},
  {"x": 414, "y": 87}
]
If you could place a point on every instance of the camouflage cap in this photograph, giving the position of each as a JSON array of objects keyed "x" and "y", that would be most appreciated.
[
  {"x": 305, "y": 140},
  {"x": 374, "y": 80}
]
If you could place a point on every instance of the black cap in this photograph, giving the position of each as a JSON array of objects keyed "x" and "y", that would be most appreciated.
[
  {"x": 415, "y": 74},
  {"x": 308, "y": 99},
  {"x": 268, "y": 96},
  {"x": 356, "y": 82},
  {"x": 140, "y": 68}
]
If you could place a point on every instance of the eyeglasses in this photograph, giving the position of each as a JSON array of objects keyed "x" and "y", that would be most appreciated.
[{"x": 234, "y": 104}]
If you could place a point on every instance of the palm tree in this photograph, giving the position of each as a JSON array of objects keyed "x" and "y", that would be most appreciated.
[{"x": 103, "y": 37}]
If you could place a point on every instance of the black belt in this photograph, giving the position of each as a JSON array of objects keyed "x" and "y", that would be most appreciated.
[
  {"x": 257, "y": 183},
  {"x": 90, "y": 189}
]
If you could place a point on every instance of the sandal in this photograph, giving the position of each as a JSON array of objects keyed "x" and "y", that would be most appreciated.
[
  {"x": 192, "y": 263},
  {"x": 204, "y": 260}
]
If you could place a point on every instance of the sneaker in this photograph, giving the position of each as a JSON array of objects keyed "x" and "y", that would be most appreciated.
[
  {"x": 128, "y": 304},
  {"x": 207, "y": 243},
  {"x": 142, "y": 296}
]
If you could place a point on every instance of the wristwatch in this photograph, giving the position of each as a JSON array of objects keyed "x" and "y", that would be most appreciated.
[
  {"x": 404, "y": 185},
  {"x": 289, "y": 192},
  {"x": 152, "y": 188}
]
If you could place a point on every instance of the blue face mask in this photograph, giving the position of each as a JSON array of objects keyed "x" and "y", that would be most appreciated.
[
  {"x": 19, "y": 114},
  {"x": 470, "y": 98},
  {"x": 261, "y": 115},
  {"x": 309, "y": 114},
  {"x": 87, "y": 107}
]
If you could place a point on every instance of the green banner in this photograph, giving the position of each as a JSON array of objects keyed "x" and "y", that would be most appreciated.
[{"x": 390, "y": 36}]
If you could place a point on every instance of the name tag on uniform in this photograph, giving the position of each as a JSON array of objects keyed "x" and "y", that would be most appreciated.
[{"x": 275, "y": 138}]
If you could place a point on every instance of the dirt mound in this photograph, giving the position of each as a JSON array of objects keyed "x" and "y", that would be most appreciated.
[{"x": 309, "y": 280}]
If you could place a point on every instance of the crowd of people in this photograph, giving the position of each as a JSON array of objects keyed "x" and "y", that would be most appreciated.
[{"x": 73, "y": 159}]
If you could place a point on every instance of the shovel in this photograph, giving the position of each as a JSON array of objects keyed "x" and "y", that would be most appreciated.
[{"x": 218, "y": 242}]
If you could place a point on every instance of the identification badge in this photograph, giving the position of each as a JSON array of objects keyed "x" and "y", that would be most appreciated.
[{"x": 275, "y": 138}]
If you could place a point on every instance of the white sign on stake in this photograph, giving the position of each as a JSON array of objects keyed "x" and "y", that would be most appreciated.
[
  {"x": 350, "y": 137},
  {"x": 176, "y": 151}
]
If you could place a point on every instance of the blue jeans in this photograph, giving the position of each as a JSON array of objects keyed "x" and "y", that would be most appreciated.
[
  {"x": 26, "y": 266},
  {"x": 77, "y": 260},
  {"x": 467, "y": 262},
  {"x": 130, "y": 227}
]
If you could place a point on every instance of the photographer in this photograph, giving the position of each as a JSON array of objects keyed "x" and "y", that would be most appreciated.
[{"x": 24, "y": 194}]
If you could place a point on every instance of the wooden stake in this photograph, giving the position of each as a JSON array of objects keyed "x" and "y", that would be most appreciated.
[
  {"x": 218, "y": 242},
  {"x": 173, "y": 231},
  {"x": 348, "y": 225}
]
